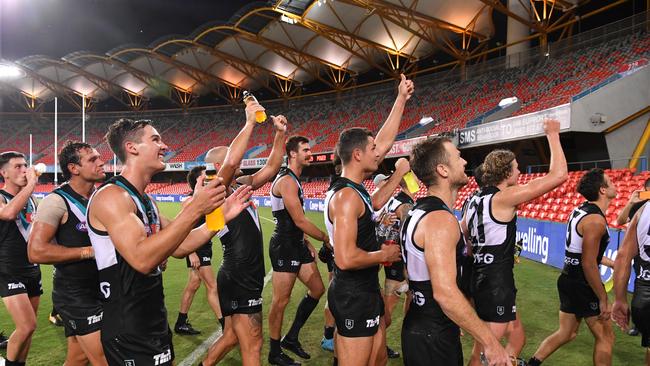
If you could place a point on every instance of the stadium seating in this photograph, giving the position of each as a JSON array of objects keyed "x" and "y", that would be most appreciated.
[{"x": 450, "y": 103}]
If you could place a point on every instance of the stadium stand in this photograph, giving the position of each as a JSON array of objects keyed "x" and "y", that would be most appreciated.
[{"x": 547, "y": 82}]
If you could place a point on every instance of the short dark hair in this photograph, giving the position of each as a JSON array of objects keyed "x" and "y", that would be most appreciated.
[
  {"x": 590, "y": 184},
  {"x": 124, "y": 129},
  {"x": 69, "y": 154},
  {"x": 425, "y": 156},
  {"x": 8, "y": 155},
  {"x": 350, "y": 139},
  {"x": 478, "y": 175},
  {"x": 497, "y": 166},
  {"x": 193, "y": 175},
  {"x": 294, "y": 142}
]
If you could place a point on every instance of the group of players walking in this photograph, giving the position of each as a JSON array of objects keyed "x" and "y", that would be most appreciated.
[{"x": 110, "y": 246}]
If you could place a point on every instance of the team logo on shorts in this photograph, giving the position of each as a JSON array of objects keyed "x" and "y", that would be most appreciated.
[
  {"x": 593, "y": 305},
  {"x": 280, "y": 262},
  {"x": 73, "y": 324},
  {"x": 129, "y": 362},
  {"x": 349, "y": 324},
  {"x": 234, "y": 304},
  {"x": 500, "y": 310}
]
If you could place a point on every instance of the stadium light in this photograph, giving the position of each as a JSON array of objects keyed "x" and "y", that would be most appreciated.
[
  {"x": 425, "y": 121},
  {"x": 508, "y": 101},
  {"x": 286, "y": 19},
  {"x": 8, "y": 71}
]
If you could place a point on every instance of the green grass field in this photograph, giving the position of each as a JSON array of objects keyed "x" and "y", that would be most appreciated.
[{"x": 537, "y": 302}]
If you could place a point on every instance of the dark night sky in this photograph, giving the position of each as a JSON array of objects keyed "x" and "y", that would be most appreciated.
[{"x": 58, "y": 27}]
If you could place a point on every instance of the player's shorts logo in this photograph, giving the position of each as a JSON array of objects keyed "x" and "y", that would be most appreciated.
[
  {"x": 129, "y": 362},
  {"x": 73, "y": 324},
  {"x": 593, "y": 305},
  {"x": 349, "y": 324},
  {"x": 280, "y": 262},
  {"x": 500, "y": 310},
  {"x": 234, "y": 304}
]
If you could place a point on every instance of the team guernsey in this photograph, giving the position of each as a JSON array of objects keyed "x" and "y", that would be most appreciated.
[
  {"x": 493, "y": 246},
  {"x": 429, "y": 337},
  {"x": 354, "y": 295},
  {"x": 75, "y": 293},
  {"x": 641, "y": 299},
  {"x": 17, "y": 275},
  {"x": 241, "y": 277},
  {"x": 395, "y": 271},
  {"x": 287, "y": 247},
  {"x": 134, "y": 329},
  {"x": 576, "y": 296}
]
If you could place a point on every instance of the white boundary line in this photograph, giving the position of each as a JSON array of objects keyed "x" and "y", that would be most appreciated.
[{"x": 203, "y": 347}]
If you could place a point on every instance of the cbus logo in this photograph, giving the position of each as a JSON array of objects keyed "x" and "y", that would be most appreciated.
[{"x": 483, "y": 258}]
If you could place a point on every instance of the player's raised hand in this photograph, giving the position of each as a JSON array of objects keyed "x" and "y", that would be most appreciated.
[
  {"x": 405, "y": 88},
  {"x": 237, "y": 202},
  {"x": 208, "y": 196},
  {"x": 252, "y": 107},
  {"x": 551, "y": 126},
  {"x": 280, "y": 123},
  {"x": 402, "y": 166}
]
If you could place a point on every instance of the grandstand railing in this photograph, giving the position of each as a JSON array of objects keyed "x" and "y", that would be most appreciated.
[{"x": 584, "y": 165}]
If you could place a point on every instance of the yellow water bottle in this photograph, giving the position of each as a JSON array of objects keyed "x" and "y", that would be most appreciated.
[
  {"x": 260, "y": 116},
  {"x": 411, "y": 183},
  {"x": 214, "y": 220}
]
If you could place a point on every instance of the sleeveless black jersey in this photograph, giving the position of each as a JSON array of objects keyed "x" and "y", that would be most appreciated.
[
  {"x": 395, "y": 202},
  {"x": 425, "y": 312},
  {"x": 284, "y": 226},
  {"x": 134, "y": 303},
  {"x": 366, "y": 238},
  {"x": 493, "y": 242},
  {"x": 74, "y": 234},
  {"x": 13, "y": 239},
  {"x": 643, "y": 241},
  {"x": 243, "y": 249},
  {"x": 206, "y": 248},
  {"x": 573, "y": 247}
]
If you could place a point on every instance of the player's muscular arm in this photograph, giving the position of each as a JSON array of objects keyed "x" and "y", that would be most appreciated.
[
  {"x": 592, "y": 228},
  {"x": 9, "y": 211},
  {"x": 386, "y": 135},
  {"x": 289, "y": 192},
  {"x": 345, "y": 209},
  {"x": 628, "y": 249},
  {"x": 274, "y": 162},
  {"x": 557, "y": 174},
  {"x": 623, "y": 216},
  {"x": 383, "y": 194},
  {"x": 238, "y": 146},
  {"x": 41, "y": 247},
  {"x": 439, "y": 233}
]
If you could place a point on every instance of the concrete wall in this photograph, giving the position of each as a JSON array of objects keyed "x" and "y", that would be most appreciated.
[{"x": 622, "y": 142}]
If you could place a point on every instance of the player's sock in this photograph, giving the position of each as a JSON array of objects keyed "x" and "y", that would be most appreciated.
[
  {"x": 328, "y": 333},
  {"x": 14, "y": 363},
  {"x": 182, "y": 318},
  {"x": 335, "y": 362},
  {"x": 275, "y": 347},
  {"x": 305, "y": 308},
  {"x": 534, "y": 362}
]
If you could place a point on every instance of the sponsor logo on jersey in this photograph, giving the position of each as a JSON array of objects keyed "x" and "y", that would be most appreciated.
[
  {"x": 81, "y": 226},
  {"x": 644, "y": 274},
  {"x": 486, "y": 258},
  {"x": 418, "y": 298},
  {"x": 16, "y": 285},
  {"x": 162, "y": 358},
  {"x": 93, "y": 319},
  {"x": 371, "y": 323},
  {"x": 105, "y": 288},
  {"x": 572, "y": 261},
  {"x": 349, "y": 324}
]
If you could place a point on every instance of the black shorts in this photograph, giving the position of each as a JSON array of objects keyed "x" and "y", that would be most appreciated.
[
  {"x": 641, "y": 313},
  {"x": 21, "y": 283},
  {"x": 288, "y": 255},
  {"x": 356, "y": 313},
  {"x": 577, "y": 297},
  {"x": 205, "y": 260},
  {"x": 432, "y": 347},
  {"x": 235, "y": 299},
  {"x": 395, "y": 272},
  {"x": 130, "y": 350},
  {"x": 79, "y": 305},
  {"x": 496, "y": 305}
]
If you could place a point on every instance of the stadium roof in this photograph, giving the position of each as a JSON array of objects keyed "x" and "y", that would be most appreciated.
[{"x": 273, "y": 45}]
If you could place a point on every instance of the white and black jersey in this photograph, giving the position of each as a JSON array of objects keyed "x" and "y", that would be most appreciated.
[
  {"x": 133, "y": 302},
  {"x": 493, "y": 242},
  {"x": 13, "y": 239},
  {"x": 285, "y": 227},
  {"x": 643, "y": 239},
  {"x": 574, "y": 239}
]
